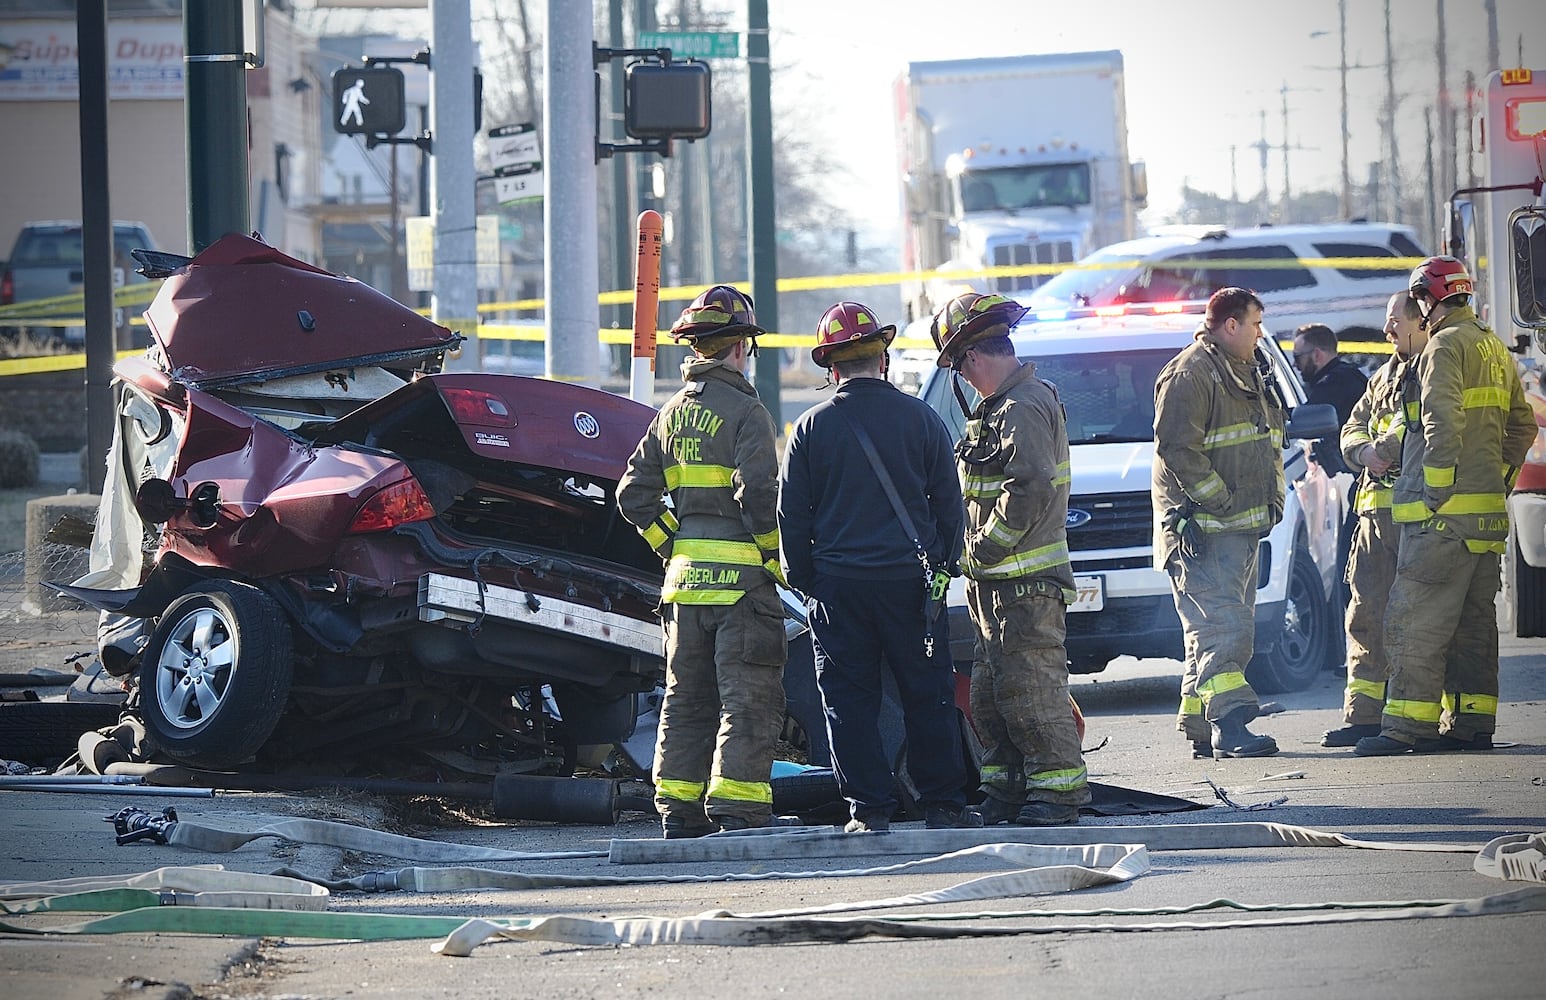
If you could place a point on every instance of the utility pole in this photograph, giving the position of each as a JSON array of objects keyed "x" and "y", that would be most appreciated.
[
  {"x": 569, "y": 189},
  {"x": 1392, "y": 186},
  {"x": 1286, "y": 144},
  {"x": 761, "y": 234},
  {"x": 1347, "y": 181},
  {"x": 96, "y": 235},
  {"x": 622, "y": 208},
  {"x": 1446, "y": 153}
]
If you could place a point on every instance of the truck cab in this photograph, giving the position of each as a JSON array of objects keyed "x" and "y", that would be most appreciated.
[{"x": 1011, "y": 169}]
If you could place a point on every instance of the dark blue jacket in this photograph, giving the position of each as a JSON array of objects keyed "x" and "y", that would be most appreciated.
[
  {"x": 1341, "y": 384},
  {"x": 834, "y": 516}
]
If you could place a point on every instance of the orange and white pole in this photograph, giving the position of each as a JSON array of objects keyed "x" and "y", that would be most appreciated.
[{"x": 646, "y": 303}]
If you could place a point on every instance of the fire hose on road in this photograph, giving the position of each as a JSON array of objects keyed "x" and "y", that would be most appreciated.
[{"x": 208, "y": 900}]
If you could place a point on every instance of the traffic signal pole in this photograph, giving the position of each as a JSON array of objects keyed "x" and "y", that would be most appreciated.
[{"x": 454, "y": 299}]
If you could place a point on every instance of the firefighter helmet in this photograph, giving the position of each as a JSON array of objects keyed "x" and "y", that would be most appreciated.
[
  {"x": 717, "y": 317},
  {"x": 847, "y": 332},
  {"x": 966, "y": 319},
  {"x": 1439, "y": 278}
]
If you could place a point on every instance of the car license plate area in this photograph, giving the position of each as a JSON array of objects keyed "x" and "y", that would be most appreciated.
[{"x": 1091, "y": 591}]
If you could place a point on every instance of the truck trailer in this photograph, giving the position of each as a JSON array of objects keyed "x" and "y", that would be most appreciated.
[{"x": 1017, "y": 162}]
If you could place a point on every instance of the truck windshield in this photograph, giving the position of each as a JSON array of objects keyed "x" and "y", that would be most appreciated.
[
  {"x": 1009, "y": 189},
  {"x": 1095, "y": 280}
]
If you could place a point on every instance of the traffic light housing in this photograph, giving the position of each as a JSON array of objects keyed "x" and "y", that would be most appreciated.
[{"x": 369, "y": 101}]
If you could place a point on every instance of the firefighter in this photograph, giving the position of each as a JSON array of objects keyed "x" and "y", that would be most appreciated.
[
  {"x": 711, "y": 448},
  {"x": 1468, "y": 428},
  {"x": 1371, "y": 447},
  {"x": 1218, "y": 490},
  {"x": 1013, "y": 460},
  {"x": 874, "y": 587}
]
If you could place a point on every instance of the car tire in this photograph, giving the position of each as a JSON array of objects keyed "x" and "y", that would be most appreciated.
[
  {"x": 1305, "y": 642},
  {"x": 221, "y": 711},
  {"x": 1529, "y": 597}
]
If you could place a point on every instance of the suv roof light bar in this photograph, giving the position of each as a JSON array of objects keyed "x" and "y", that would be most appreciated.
[{"x": 1177, "y": 307}]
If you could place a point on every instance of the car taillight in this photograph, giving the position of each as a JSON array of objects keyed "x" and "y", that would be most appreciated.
[
  {"x": 7, "y": 288},
  {"x": 474, "y": 406},
  {"x": 401, "y": 503}
]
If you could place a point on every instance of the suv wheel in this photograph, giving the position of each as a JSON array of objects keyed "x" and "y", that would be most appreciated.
[{"x": 1306, "y": 639}]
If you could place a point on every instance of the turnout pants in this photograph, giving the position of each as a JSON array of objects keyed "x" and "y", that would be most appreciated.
[
  {"x": 856, "y": 625},
  {"x": 1441, "y": 637},
  {"x": 1020, "y": 694},
  {"x": 1371, "y": 570},
  {"x": 1215, "y": 596},
  {"x": 723, "y": 709}
]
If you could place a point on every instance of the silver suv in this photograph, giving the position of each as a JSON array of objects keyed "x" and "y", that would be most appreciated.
[
  {"x": 48, "y": 262},
  {"x": 1181, "y": 263}
]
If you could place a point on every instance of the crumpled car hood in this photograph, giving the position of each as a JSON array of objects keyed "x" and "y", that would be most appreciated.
[{"x": 241, "y": 311}]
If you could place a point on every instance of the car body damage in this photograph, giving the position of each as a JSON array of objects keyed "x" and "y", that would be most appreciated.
[{"x": 347, "y": 548}]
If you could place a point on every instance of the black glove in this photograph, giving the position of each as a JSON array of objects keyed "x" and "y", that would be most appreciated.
[{"x": 1182, "y": 522}]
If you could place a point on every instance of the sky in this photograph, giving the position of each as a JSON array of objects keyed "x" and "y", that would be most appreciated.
[{"x": 1199, "y": 73}]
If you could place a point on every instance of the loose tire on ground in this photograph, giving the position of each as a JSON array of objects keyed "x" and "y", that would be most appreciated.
[
  {"x": 216, "y": 674},
  {"x": 44, "y": 733}
]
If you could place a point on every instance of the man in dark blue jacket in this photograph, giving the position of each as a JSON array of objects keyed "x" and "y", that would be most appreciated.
[
  {"x": 867, "y": 579},
  {"x": 1331, "y": 378}
]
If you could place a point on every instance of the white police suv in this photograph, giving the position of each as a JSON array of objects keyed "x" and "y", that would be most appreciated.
[{"x": 1104, "y": 362}]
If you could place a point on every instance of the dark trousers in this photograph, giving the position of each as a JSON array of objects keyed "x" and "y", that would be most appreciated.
[{"x": 856, "y": 625}]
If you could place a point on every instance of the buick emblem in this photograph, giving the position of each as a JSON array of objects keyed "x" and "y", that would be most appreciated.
[
  {"x": 587, "y": 425},
  {"x": 1077, "y": 518}
]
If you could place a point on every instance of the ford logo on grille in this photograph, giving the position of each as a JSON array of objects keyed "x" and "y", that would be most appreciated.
[{"x": 1077, "y": 518}]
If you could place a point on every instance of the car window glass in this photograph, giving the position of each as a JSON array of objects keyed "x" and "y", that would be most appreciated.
[
  {"x": 1094, "y": 283},
  {"x": 1405, "y": 246},
  {"x": 1272, "y": 268},
  {"x": 1360, "y": 250}
]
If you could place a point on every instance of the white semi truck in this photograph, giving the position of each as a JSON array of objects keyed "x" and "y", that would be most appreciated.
[
  {"x": 1499, "y": 229},
  {"x": 1011, "y": 162}
]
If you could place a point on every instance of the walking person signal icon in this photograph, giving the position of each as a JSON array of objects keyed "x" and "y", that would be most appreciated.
[{"x": 369, "y": 101}]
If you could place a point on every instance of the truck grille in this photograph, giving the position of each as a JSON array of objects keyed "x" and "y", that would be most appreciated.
[
  {"x": 1116, "y": 521},
  {"x": 1021, "y": 254}
]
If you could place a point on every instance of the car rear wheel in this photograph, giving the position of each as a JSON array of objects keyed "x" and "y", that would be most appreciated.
[
  {"x": 1306, "y": 639},
  {"x": 216, "y": 674}
]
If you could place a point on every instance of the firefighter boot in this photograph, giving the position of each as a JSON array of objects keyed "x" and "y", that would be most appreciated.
[
  {"x": 1232, "y": 739},
  {"x": 995, "y": 810},
  {"x": 1349, "y": 735},
  {"x": 1047, "y": 814}
]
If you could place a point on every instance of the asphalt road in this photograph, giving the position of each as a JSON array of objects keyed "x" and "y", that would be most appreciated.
[{"x": 1411, "y": 800}]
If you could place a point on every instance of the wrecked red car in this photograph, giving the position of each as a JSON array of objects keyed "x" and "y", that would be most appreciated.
[{"x": 313, "y": 540}]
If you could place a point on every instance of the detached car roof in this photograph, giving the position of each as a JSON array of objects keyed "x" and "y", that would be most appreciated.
[{"x": 242, "y": 311}]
